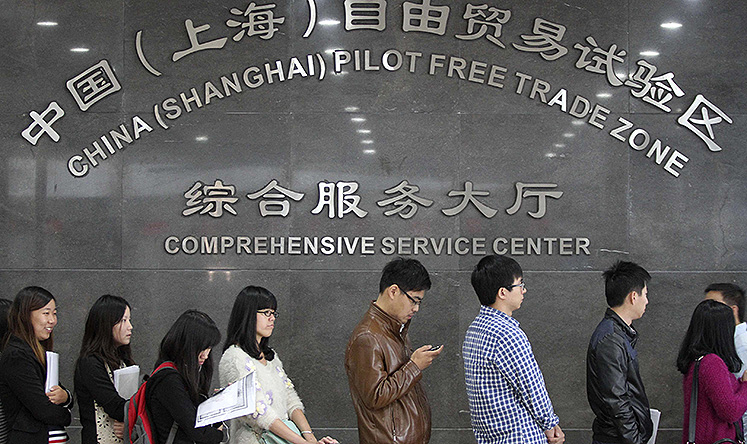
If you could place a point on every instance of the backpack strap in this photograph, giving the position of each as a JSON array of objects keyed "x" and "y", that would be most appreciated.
[
  {"x": 174, "y": 426},
  {"x": 172, "y": 433}
]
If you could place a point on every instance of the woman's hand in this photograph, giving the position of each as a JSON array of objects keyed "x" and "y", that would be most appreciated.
[
  {"x": 57, "y": 395},
  {"x": 328, "y": 440},
  {"x": 119, "y": 429}
]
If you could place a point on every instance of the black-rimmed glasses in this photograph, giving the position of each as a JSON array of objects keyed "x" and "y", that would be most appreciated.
[
  {"x": 412, "y": 299},
  {"x": 522, "y": 285},
  {"x": 269, "y": 313}
]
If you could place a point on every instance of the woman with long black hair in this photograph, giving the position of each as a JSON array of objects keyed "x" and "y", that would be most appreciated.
[
  {"x": 33, "y": 415},
  {"x": 172, "y": 395},
  {"x": 105, "y": 348},
  {"x": 722, "y": 399},
  {"x": 247, "y": 350}
]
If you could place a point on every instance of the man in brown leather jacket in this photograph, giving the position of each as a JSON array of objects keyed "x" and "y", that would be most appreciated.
[{"x": 384, "y": 375}]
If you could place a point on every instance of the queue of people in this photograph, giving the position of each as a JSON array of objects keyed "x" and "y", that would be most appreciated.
[{"x": 508, "y": 400}]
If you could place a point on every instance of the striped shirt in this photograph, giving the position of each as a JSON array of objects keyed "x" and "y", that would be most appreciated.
[{"x": 508, "y": 400}]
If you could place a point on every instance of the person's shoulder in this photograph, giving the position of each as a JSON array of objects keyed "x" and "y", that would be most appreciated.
[
  {"x": 87, "y": 364},
  {"x": 712, "y": 360},
  {"x": 233, "y": 352},
  {"x": 17, "y": 352}
]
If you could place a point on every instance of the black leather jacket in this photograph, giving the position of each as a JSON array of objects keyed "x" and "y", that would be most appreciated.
[{"x": 613, "y": 384}]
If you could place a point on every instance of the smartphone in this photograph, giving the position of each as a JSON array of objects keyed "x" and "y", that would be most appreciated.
[{"x": 435, "y": 347}]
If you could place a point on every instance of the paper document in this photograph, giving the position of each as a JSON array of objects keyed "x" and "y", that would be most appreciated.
[
  {"x": 127, "y": 381},
  {"x": 53, "y": 371},
  {"x": 236, "y": 400},
  {"x": 655, "y": 417}
]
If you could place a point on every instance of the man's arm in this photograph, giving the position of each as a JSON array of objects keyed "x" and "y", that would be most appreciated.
[
  {"x": 531, "y": 384},
  {"x": 612, "y": 371},
  {"x": 369, "y": 378}
]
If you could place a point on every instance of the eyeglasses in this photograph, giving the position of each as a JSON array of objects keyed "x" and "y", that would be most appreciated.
[
  {"x": 269, "y": 313},
  {"x": 522, "y": 285},
  {"x": 412, "y": 299}
]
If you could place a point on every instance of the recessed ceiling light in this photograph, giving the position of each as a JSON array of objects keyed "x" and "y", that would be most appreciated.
[
  {"x": 568, "y": 135},
  {"x": 79, "y": 50},
  {"x": 46, "y": 23},
  {"x": 357, "y": 119},
  {"x": 559, "y": 145},
  {"x": 604, "y": 95},
  {"x": 364, "y": 131},
  {"x": 201, "y": 138},
  {"x": 671, "y": 25},
  {"x": 649, "y": 53},
  {"x": 329, "y": 22},
  {"x": 367, "y": 142},
  {"x": 352, "y": 109},
  {"x": 551, "y": 155},
  {"x": 369, "y": 151}
]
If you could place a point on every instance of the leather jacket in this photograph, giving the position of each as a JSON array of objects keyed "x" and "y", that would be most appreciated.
[
  {"x": 613, "y": 384},
  {"x": 385, "y": 384}
]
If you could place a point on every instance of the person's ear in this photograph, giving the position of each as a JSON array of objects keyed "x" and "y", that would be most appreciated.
[
  {"x": 501, "y": 293},
  {"x": 392, "y": 290},
  {"x": 632, "y": 296}
]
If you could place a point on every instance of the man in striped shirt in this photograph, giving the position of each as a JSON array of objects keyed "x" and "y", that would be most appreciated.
[{"x": 508, "y": 400}]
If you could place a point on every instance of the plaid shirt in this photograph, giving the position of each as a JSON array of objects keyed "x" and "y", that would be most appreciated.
[{"x": 494, "y": 349}]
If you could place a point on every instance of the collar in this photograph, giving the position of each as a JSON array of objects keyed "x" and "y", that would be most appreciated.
[
  {"x": 629, "y": 330},
  {"x": 389, "y": 322},
  {"x": 499, "y": 315}
]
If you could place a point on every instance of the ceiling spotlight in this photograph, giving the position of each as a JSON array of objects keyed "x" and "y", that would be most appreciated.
[
  {"x": 568, "y": 135},
  {"x": 671, "y": 25},
  {"x": 201, "y": 138},
  {"x": 329, "y": 22},
  {"x": 367, "y": 142},
  {"x": 559, "y": 145},
  {"x": 352, "y": 109},
  {"x": 649, "y": 53},
  {"x": 364, "y": 131},
  {"x": 604, "y": 95},
  {"x": 369, "y": 151},
  {"x": 79, "y": 50},
  {"x": 46, "y": 23},
  {"x": 357, "y": 119}
]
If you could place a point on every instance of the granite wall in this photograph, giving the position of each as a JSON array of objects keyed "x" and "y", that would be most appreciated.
[{"x": 127, "y": 200}]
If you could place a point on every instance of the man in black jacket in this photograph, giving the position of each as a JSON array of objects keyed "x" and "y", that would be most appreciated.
[{"x": 613, "y": 382}]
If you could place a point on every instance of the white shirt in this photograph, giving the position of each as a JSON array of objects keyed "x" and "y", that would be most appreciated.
[{"x": 740, "y": 343}]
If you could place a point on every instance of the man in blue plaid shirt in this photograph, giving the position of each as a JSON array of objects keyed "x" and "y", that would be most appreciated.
[{"x": 508, "y": 401}]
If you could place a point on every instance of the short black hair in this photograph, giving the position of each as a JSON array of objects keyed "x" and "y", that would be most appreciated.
[
  {"x": 621, "y": 279},
  {"x": 733, "y": 295},
  {"x": 492, "y": 273},
  {"x": 711, "y": 330},
  {"x": 408, "y": 274}
]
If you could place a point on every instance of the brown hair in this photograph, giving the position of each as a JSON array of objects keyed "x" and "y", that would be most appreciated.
[{"x": 19, "y": 319}]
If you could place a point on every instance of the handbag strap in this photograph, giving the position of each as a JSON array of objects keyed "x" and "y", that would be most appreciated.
[{"x": 693, "y": 404}]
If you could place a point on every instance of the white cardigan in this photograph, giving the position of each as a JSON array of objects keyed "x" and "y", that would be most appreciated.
[{"x": 276, "y": 397}]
